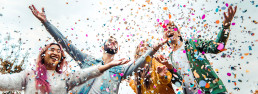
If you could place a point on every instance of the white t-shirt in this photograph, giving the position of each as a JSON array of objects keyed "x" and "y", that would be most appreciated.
[{"x": 179, "y": 60}]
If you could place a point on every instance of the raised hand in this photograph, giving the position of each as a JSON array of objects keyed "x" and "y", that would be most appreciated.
[
  {"x": 161, "y": 59},
  {"x": 119, "y": 62},
  {"x": 40, "y": 15},
  {"x": 161, "y": 70},
  {"x": 160, "y": 44},
  {"x": 229, "y": 16}
]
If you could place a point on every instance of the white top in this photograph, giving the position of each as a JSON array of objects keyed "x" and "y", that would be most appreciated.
[
  {"x": 59, "y": 83},
  {"x": 180, "y": 61}
]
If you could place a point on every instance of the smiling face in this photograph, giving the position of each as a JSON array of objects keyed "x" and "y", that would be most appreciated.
[
  {"x": 172, "y": 32},
  {"x": 52, "y": 57}
]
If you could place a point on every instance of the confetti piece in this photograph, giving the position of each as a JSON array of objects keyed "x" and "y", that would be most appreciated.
[
  {"x": 166, "y": 21},
  {"x": 203, "y": 16},
  {"x": 175, "y": 29},
  {"x": 223, "y": 8},
  {"x": 177, "y": 84},
  {"x": 233, "y": 23},
  {"x": 202, "y": 83},
  {"x": 217, "y": 22},
  {"x": 226, "y": 4},
  {"x": 165, "y": 8},
  {"x": 199, "y": 92},
  {"x": 229, "y": 74},
  {"x": 86, "y": 35},
  {"x": 158, "y": 20},
  {"x": 217, "y": 10},
  {"x": 242, "y": 57},
  {"x": 216, "y": 70},
  {"x": 184, "y": 51},
  {"x": 121, "y": 74},
  {"x": 169, "y": 16},
  {"x": 220, "y": 47},
  {"x": 207, "y": 85}
]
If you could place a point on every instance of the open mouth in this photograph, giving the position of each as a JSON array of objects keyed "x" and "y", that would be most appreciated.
[{"x": 54, "y": 58}]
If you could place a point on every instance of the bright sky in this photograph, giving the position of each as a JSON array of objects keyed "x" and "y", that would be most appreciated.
[{"x": 88, "y": 22}]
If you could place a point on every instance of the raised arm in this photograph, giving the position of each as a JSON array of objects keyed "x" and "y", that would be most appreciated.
[
  {"x": 12, "y": 82},
  {"x": 140, "y": 62},
  {"x": 75, "y": 53},
  {"x": 83, "y": 75},
  {"x": 216, "y": 46}
]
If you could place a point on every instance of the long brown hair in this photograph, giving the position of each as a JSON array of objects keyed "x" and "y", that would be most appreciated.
[
  {"x": 144, "y": 72},
  {"x": 41, "y": 71}
]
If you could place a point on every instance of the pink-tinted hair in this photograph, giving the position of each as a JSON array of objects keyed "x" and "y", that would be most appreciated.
[{"x": 41, "y": 72}]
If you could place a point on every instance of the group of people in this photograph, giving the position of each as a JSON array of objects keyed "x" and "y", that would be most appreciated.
[{"x": 186, "y": 66}]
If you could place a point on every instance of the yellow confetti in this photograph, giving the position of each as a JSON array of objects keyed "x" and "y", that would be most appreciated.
[{"x": 196, "y": 74}]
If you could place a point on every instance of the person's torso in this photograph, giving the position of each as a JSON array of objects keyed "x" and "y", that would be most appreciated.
[
  {"x": 107, "y": 83},
  {"x": 57, "y": 83}
]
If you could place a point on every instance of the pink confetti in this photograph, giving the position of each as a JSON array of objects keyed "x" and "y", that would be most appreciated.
[
  {"x": 199, "y": 92},
  {"x": 203, "y": 16},
  {"x": 118, "y": 28},
  {"x": 114, "y": 75},
  {"x": 229, "y": 74},
  {"x": 175, "y": 70},
  {"x": 86, "y": 35},
  {"x": 175, "y": 29},
  {"x": 220, "y": 47},
  {"x": 127, "y": 35},
  {"x": 195, "y": 40},
  {"x": 184, "y": 51},
  {"x": 166, "y": 21},
  {"x": 160, "y": 23},
  {"x": 107, "y": 89},
  {"x": 227, "y": 4},
  {"x": 164, "y": 26},
  {"x": 154, "y": 86},
  {"x": 72, "y": 28},
  {"x": 233, "y": 23},
  {"x": 157, "y": 20},
  {"x": 203, "y": 52},
  {"x": 121, "y": 74},
  {"x": 124, "y": 19}
]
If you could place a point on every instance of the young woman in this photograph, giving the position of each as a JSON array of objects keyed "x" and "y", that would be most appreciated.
[
  {"x": 153, "y": 78},
  {"x": 189, "y": 56},
  {"x": 49, "y": 76}
]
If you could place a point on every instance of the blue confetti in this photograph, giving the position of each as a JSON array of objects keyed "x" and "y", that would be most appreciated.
[{"x": 223, "y": 8}]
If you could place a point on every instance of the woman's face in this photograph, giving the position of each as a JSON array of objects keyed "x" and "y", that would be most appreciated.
[
  {"x": 172, "y": 33},
  {"x": 52, "y": 56},
  {"x": 143, "y": 47}
]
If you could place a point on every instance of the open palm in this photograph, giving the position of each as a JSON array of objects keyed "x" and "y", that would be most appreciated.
[
  {"x": 40, "y": 15},
  {"x": 229, "y": 16}
]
